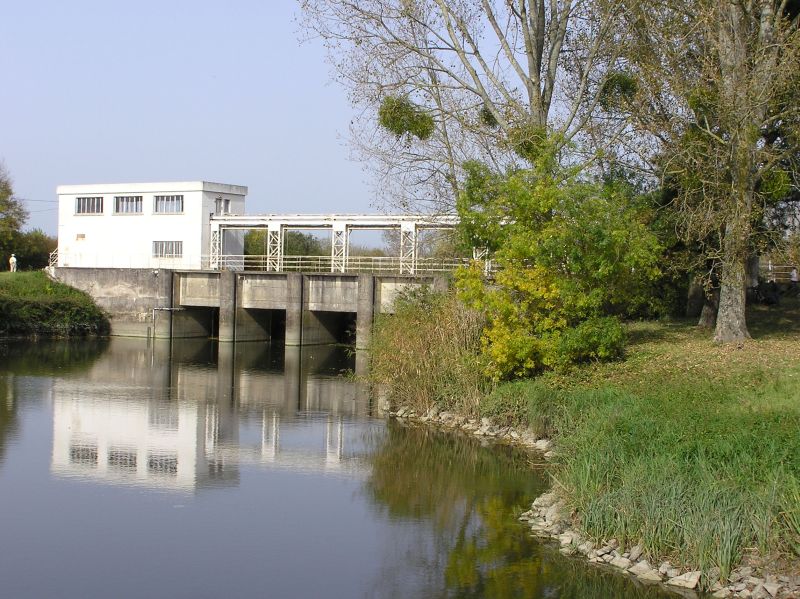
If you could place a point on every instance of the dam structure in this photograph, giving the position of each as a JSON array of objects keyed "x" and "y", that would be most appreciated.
[{"x": 166, "y": 260}]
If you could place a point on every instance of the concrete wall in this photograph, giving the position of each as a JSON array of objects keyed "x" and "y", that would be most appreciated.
[
  {"x": 235, "y": 306},
  {"x": 129, "y": 296},
  {"x": 197, "y": 289},
  {"x": 265, "y": 291},
  {"x": 330, "y": 293}
]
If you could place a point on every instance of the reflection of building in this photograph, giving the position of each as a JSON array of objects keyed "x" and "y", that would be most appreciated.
[
  {"x": 187, "y": 415},
  {"x": 156, "y": 443}
]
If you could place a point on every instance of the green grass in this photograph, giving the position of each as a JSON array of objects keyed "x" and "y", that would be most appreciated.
[
  {"x": 690, "y": 448},
  {"x": 32, "y": 304}
]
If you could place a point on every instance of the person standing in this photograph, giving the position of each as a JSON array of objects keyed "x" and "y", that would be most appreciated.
[{"x": 12, "y": 263}]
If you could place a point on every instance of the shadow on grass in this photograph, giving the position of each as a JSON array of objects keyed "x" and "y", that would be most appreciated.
[
  {"x": 774, "y": 321},
  {"x": 643, "y": 332}
]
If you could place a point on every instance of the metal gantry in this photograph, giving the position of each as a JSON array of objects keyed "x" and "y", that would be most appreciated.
[
  {"x": 340, "y": 225},
  {"x": 216, "y": 248}
]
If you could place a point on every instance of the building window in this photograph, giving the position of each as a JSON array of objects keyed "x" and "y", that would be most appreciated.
[
  {"x": 167, "y": 249},
  {"x": 222, "y": 206},
  {"x": 127, "y": 204},
  {"x": 89, "y": 205},
  {"x": 122, "y": 459},
  {"x": 162, "y": 464},
  {"x": 168, "y": 204},
  {"x": 83, "y": 454}
]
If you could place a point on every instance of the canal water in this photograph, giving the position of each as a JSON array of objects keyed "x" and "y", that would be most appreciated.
[{"x": 187, "y": 469}]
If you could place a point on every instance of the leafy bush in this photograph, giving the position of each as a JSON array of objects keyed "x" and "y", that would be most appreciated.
[
  {"x": 32, "y": 304},
  {"x": 599, "y": 338},
  {"x": 568, "y": 252}
]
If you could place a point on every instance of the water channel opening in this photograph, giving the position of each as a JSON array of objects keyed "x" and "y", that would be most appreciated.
[
  {"x": 253, "y": 324},
  {"x": 321, "y": 327},
  {"x": 195, "y": 322}
]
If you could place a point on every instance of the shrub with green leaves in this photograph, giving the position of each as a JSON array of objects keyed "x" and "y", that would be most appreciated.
[{"x": 571, "y": 255}]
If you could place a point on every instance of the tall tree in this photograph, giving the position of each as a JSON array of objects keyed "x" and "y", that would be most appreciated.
[
  {"x": 12, "y": 216},
  {"x": 716, "y": 85},
  {"x": 454, "y": 81}
]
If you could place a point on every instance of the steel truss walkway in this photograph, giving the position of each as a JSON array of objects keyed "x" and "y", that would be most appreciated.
[{"x": 340, "y": 226}]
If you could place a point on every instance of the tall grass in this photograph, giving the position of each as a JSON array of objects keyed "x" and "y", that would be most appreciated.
[
  {"x": 700, "y": 471},
  {"x": 427, "y": 353}
]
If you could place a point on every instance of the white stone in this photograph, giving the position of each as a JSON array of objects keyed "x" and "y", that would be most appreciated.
[
  {"x": 543, "y": 444},
  {"x": 566, "y": 538},
  {"x": 546, "y": 500},
  {"x": 687, "y": 581},
  {"x": 623, "y": 563},
  {"x": 638, "y": 568},
  {"x": 760, "y": 593},
  {"x": 722, "y": 593},
  {"x": 772, "y": 588},
  {"x": 740, "y": 573},
  {"x": 553, "y": 513},
  {"x": 636, "y": 552},
  {"x": 586, "y": 547},
  {"x": 650, "y": 575},
  {"x": 645, "y": 571}
]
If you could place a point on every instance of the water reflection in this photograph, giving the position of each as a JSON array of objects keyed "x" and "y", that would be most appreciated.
[
  {"x": 282, "y": 474},
  {"x": 471, "y": 494},
  {"x": 182, "y": 415}
]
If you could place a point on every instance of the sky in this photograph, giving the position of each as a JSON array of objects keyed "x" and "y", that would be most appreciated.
[{"x": 173, "y": 90}]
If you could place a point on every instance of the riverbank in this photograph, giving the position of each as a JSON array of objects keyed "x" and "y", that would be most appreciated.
[
  {"x": 32, "y": 304},
  {"x": 687, "y": 451}
]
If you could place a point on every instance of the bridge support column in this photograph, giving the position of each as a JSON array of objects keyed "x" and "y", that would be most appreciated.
[
  {"x": 162, "y": 319},
  {"x": 227, "y": 305},
  {"x": 294, "y": 308},
  {"x": 365, "y": 311}
]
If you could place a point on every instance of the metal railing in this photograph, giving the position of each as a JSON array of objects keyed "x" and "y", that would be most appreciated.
[
  {"x": 779, "y": 273},
  {"x": 53, "y": 262},
  {"x": 352, "y": 264}
]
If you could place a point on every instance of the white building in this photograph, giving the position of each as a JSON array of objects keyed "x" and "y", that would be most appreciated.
[{"x": 143, "y": 225}]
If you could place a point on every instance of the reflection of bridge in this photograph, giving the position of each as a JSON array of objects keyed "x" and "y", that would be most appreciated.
[{"x": 163, "y": 417}]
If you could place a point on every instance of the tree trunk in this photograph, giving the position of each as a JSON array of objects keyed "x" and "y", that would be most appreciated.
[
  {"x": 708, "y": 314},
  {"x": 696, "y": 299},
  {"x": 731, "y": 323}
]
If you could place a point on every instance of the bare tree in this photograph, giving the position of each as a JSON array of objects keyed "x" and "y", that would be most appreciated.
[
  {"x": 494, "y": 76},
  {"x": 716, "y": 87}
]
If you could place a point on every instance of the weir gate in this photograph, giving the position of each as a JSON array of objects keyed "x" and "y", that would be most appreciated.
[{"x": 293, "y": 307}]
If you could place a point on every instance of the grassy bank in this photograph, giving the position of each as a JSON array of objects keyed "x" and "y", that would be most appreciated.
[
  {"x": 689, "y": 448},
  {"x": 33, "y": 304}
]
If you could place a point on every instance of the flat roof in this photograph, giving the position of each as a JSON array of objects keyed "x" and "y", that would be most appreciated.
[{"x": 167, "y": 187}]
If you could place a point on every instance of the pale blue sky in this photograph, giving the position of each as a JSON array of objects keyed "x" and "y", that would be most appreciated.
[{"x": 98, "y": 91}]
